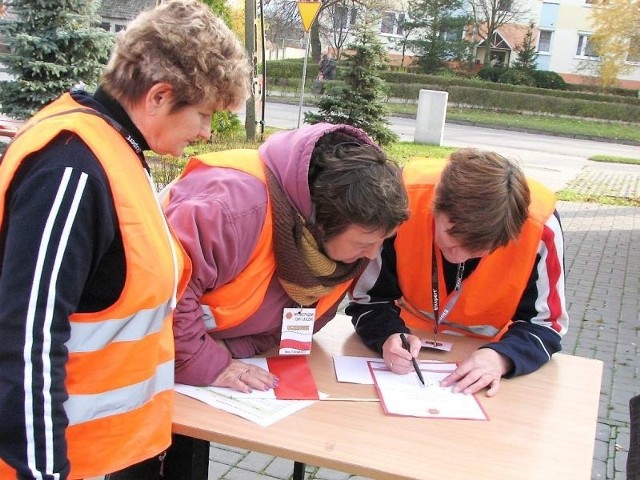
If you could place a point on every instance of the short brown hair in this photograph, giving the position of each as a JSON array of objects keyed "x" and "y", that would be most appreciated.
[
  {"x": 485, "y": 197},
  {"x": 183, "y": 43},
  {"x": 354, "y": 183}
]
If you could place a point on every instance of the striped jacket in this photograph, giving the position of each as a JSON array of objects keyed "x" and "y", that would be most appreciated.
[{"x": 90, "y": 274}]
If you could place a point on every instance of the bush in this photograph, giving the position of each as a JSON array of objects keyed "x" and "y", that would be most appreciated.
[
  {"x": 513, "y": 76},
  {"x": 491, "y": 74},
  {"x": 546, "y": 79},
  {"x": 224, "y": 124}
]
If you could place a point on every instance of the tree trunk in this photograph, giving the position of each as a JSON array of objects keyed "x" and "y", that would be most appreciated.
[{"x": 314, "y": 36}]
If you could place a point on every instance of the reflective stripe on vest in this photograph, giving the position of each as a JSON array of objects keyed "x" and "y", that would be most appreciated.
[
  {"x": 487, "y": 302},
  {"x": 90, "y": 337},
  {"x": 234, "y": 302},
  {"x": 85, "y": 408},
  {"x": 120, "y": 368}
]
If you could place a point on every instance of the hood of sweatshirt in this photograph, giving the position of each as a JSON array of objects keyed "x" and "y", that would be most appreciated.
[{"x": 288, "y": 154}]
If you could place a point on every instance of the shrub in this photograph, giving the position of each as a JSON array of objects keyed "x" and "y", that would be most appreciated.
[
  {"x": 547, "y": 79},
  {"x": 513, "y": 76},
  {"x": 491, "y": 74},
  {"x": 224, "y": 124}
]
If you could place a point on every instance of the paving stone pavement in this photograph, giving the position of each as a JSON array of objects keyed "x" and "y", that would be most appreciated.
[{"x": 602, "y": 261}]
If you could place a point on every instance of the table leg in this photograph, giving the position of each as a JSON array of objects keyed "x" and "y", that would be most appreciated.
[
  {"x": 298, "y": 470},
  {"x": 187, "y": 459}
]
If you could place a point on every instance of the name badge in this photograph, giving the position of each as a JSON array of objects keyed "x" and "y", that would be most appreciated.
[{"x": 297, "y": 331}]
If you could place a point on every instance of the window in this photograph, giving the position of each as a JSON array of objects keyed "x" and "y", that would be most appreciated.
[
  {"x": 584, "y": 47},
  {"x": 344, "y": 17},
  {"x": 504, "y": 5},
  {"x": 392, "y": 23},
  {"x": 544, "y": 41},
  {"x": 634, "y": 50}
]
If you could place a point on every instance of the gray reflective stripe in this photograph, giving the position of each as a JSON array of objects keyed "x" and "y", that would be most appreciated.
[
  {"x": 94, "y": 336},
  {"x": 485, "y": 330},
  {"x": 83, "y": 408},
  {"x": 209, "y": 319}
]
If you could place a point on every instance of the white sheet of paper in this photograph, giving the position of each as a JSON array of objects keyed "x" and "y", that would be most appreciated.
[
  {"x": 405, "y": 395},
  {"x": 263, "y": 411},
  {"x": 356, "y": 369}
]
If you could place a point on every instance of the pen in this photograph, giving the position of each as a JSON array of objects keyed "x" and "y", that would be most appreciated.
[{"x": 405, "y": 344}]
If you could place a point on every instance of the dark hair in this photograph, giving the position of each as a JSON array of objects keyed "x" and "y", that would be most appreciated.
[
  {"x": 485, "y": 197},
  {"x": 353, "y": 183}
]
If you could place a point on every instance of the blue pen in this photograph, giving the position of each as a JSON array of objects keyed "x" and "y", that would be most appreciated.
[{"x": 405, "y": 344}]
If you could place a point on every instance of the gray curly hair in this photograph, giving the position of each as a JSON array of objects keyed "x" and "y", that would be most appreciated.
[{"x": 185, "y": 45}]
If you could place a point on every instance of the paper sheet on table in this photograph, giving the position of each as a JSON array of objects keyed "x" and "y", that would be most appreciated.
[
  {"x": 351, "y": 369},
  {"x": 296, "y": 380},
  {"x": 354, "y": 369},
  {"x": 263, "y": 411},
  {"x": 405, "y": 395}
]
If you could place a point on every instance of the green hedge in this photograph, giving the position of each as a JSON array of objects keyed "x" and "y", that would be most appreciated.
[
  {"x": 475, "y": 93},
  {"x": 399, "y": 77},
  {"x": 524, "y": 102}
]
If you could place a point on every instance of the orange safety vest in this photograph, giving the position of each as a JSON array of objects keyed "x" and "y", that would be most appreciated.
[
  {"x": 234, "y": 302},
  {"x": 490, "y": 295},
  {"x": 119, "y": 380}
]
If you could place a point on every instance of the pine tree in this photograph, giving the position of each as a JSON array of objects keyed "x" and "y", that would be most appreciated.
[
  {"x": 527, "y": 53},
  {"x": 440, "y": 24},
  {"x": 53, "y": 45},
  {"x": 359, "y": 99}
]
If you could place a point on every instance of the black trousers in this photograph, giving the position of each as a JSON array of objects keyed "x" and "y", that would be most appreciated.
[{"x": 185, "y": 459}]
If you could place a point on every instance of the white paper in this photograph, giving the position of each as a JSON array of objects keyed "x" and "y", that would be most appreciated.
[
  {"x": 405, "y": 395},
  {"x": 356, "y": 369},
  {"x": 263, "y": 411}
]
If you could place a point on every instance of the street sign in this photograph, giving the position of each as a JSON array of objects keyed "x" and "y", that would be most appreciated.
[{"x": 308, "y": 13}]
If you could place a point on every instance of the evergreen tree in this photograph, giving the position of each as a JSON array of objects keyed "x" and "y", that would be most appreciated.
[
  {"x": 527, "y": 54},
  {"x": 53, "y": 45},
  {"x": 441, "y": 24},
  {"x": 359, "y": 99}
]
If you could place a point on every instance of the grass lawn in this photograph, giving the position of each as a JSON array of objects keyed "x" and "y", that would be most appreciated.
[{"x": 570, "y": 127}]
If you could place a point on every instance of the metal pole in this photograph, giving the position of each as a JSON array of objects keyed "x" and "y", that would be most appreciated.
[
  {"x": 304, "y": 76},
  {"x": 250, "y": 44}
]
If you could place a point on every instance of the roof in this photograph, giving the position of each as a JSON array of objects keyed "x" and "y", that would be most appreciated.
[
  {"x": 124, "y": 9},
  {"x": 512, "y": 34}
]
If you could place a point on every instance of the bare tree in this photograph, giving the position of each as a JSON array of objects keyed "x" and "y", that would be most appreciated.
[
  {"x": 339, "y": 19},
  {"x": 489, "y": 15},
  {"x": 282, "y": 23}
]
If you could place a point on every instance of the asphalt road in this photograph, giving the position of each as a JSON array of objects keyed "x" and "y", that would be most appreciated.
[{"x": 552, "y": 160}]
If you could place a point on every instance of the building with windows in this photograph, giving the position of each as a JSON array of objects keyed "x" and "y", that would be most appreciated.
[
  {"x": 116, "y": 14},
  {"x": 562, "y": 28}
]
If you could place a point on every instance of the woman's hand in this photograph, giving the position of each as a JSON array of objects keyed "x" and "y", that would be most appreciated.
[{"x": 245, "y": 378}]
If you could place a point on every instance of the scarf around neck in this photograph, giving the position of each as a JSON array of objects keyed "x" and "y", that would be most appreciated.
[{"x": 303, "y": 270}]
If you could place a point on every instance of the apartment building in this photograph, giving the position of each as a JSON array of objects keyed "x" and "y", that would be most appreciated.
[{"x": 563, "y": 29}]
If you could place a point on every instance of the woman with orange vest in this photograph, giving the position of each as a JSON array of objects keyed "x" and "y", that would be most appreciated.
[
  {"x": 90, "y": 271},
  {"x": 481, "y": 255},
  {"x": 289, "y": 225}
]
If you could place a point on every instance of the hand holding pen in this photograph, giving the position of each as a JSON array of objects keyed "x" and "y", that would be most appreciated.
[{"x": 405, "y": 344}]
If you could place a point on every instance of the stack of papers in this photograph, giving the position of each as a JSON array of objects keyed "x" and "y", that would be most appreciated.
[{"x": 296, "y": 390}]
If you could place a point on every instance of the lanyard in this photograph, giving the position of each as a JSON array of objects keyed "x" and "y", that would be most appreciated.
[{"x": 435, "y": 295}]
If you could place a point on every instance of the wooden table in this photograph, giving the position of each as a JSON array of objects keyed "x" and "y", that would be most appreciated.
[{"x": 541, "y": 425}]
